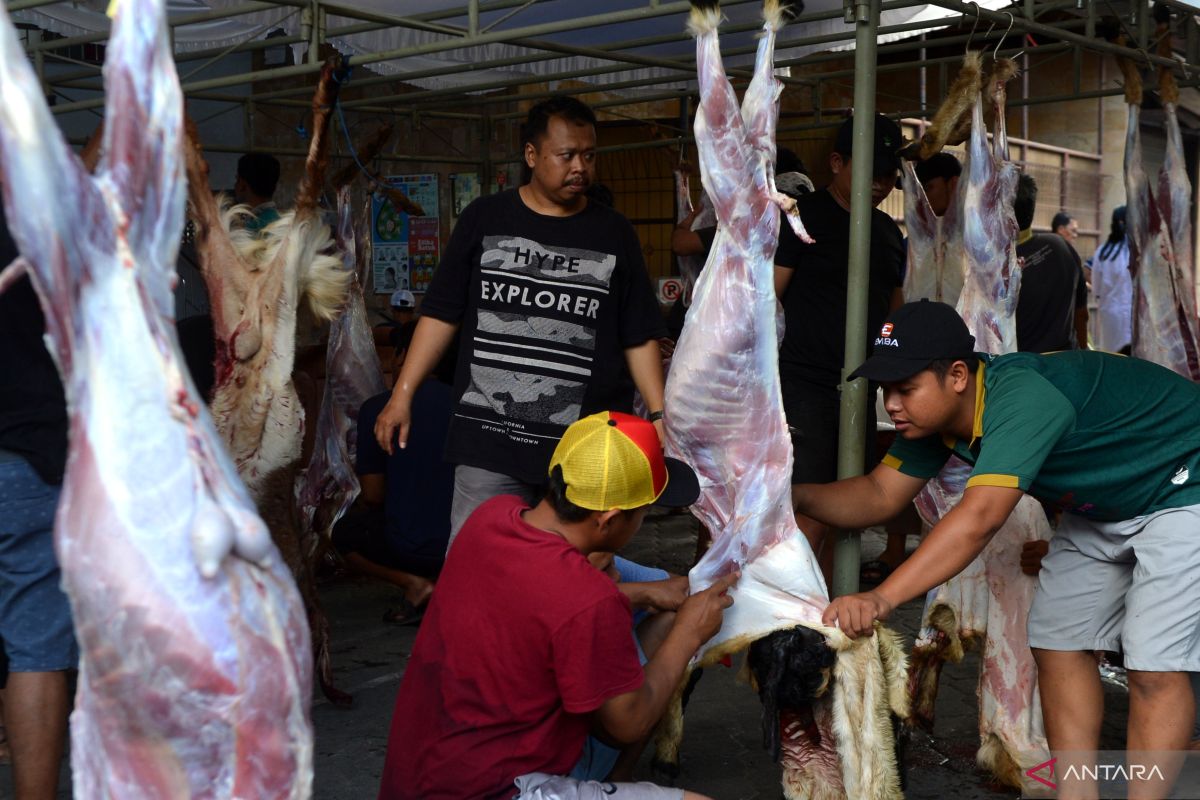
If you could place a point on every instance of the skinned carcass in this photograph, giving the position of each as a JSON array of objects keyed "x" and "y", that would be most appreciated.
[
  {"x": 986, "y": 605},
  {"x": 935, "y": 252},
  {"x": 255, "y": 284},
  {"x": 1165, "y": 328},
  {"x": 195, "y": 675},
  {"x": 329, "y": 484},
  {"x": 936, "y": 262},
  {"x": 690, "y": 266},
  {"x": 724, "y": 416}
]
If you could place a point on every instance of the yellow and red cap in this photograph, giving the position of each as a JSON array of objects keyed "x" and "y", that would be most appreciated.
[{"x": 614, "y": 460}]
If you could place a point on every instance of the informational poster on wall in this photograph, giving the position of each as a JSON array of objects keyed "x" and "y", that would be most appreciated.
[
  {"x": 397, "y": 237},
  {"x": 464, "y": 190},
  {"x": 423, "y": 251}
]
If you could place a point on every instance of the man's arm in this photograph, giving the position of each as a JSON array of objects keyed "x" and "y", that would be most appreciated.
[
  {"x": 631, "y": 717},
  {"x": 665, "y": 595},
  {"x": 953, "y": 543},
  {"x": 429, "y": 344},
  {"x": 858, "y": 502},
  {"x": 374, "y": 488},
  {"x": 783, "y": 276},
  {"x": 645, "y": 365},
  {"x": 1081, "y": 328}
]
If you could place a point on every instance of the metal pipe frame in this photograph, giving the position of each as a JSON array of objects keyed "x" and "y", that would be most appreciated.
[{"x": 853, "y": 415}]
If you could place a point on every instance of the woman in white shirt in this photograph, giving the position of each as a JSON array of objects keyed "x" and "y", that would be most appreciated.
[{"x": 1112, "y": 288}]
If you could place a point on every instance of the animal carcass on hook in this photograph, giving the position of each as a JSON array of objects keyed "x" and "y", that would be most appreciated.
[
  {"x": 195, "y": 671},
  {"x": 255, "y": 285},
  {"x": 724, "y": 416}
]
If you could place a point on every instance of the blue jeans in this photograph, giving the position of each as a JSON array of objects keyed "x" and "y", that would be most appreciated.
[
  {"x": 598, "y": 759},
  {"x": 35, "y": 617}
]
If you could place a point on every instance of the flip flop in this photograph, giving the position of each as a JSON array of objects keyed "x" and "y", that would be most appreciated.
[
  {"x": 405, "y": 615},
  {"x": 874, "y": 572}
]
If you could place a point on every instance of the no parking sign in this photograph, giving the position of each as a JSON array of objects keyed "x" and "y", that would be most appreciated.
[{"x": 669, "y": 290}]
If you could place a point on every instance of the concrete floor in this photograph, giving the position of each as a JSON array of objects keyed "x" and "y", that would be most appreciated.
[{"x": 722, "y": 753}]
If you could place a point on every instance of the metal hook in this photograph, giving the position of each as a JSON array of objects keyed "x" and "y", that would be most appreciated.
[
  {"x": 1011, "y": 20},
  {"x": 973, "y": 27}
]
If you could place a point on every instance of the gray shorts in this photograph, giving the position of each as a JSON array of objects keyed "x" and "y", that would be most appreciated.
[
  {"x": 1131, "y": 586},
  {"x": 474, "y": 486},
  {"x": 540, "y": 786}
]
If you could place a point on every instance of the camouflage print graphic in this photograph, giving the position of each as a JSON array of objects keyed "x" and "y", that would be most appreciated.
[
  {"x": 523, "y": 257},
  {"x": 541, "y": 329},
  {"x": 524, "y": 397}
]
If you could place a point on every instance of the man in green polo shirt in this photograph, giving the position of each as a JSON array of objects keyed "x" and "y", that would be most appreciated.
[{"x": 1114, "y": 442}]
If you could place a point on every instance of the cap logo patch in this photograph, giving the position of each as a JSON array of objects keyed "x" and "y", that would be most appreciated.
[{"x": 886, "y": 330}]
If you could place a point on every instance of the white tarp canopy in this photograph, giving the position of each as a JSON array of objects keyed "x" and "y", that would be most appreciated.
[{"x": 472, "y": 62}]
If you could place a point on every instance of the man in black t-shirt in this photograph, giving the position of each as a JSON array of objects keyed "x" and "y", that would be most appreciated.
[
  {"x": 554, "y": 302},
  {"x": 1052, "y": 310},
  {"x": 811, "y": 281},
  {"x": 35, "y": 617}
]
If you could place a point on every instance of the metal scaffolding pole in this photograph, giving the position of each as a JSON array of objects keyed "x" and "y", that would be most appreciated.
[{"x": 854, "y": 417}]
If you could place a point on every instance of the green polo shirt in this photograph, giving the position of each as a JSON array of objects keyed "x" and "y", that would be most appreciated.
[{"x": 1095, "y": 434}]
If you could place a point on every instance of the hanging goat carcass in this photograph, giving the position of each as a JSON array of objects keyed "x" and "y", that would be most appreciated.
[
  {"x": 195, "y": 670},
  {"x": 255, "y": 285},
  {"x": 987, "y": 603},
  {"x": 724, "y": 416}
]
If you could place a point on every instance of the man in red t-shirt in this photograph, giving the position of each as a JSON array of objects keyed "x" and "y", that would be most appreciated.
[{"x": 526, "y": 647}]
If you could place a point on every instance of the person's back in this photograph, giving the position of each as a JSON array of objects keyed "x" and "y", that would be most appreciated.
[
  {"x": 815, "y": 300},
  {"x": 523, "y": 639},
  {"x": 1052, "y": 288},
  {"x": 1051, "y": 424},
  {"x": 1052, "y": 306},
  {"x": 419, "y": 484}
]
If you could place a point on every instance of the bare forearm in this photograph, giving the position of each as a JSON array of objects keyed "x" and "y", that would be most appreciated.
[
  {"x": 645, "y": 366},
  {"x": 663, "y": 672},
  {"x": 952, "y": 544},
  {"x": 851, "y": 503},
  {"x": 1081, "y": 328},
  {"x": 429, "y": 343}
]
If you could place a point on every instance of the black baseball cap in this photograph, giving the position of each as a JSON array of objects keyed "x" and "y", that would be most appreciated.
[
  {"x": 914, "y": 336},
  {"x": 888, "y": 140}
]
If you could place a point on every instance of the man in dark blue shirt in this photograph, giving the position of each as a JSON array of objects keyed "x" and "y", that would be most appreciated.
[{"x": 402, "y": 534}]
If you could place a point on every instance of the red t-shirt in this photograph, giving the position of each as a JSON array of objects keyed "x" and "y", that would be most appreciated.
[{"x": 522, "y": 641}]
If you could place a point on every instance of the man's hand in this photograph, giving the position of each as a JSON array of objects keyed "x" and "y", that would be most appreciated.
[
  {"x": 666, "y": 595},
  {"x": 395, "y": 418},
  {"x": 666, "y": 347},
  {"x": 1032, "y": 554},
  {"x": 702, "y": 612},
  {"x": 855, "y": 614}
]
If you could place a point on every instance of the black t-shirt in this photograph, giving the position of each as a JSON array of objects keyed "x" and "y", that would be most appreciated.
[
  {"x": 33, "y": 410},
  {"x": 548, "y": 306},
  {"x": 814, "y": 304},
  {"x": 1052, "y": 288}
]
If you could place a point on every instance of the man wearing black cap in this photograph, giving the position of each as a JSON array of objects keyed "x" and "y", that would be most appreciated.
[
  {"x": 811, "y": 282},
  {"x": 1112, "y": 442},
  {"x": 939, "y": 176}
]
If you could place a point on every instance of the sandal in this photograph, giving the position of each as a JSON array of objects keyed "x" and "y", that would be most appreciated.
[
  {"x": 405, "y": 614},
  {"x": 874, "y": 572}
]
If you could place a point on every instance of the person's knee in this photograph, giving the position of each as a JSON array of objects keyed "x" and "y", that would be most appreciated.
[
  {"x": 1064, "y": 660},
  {"x": 653, "y": 630},
  {"x": 1156, "y": 684}
]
